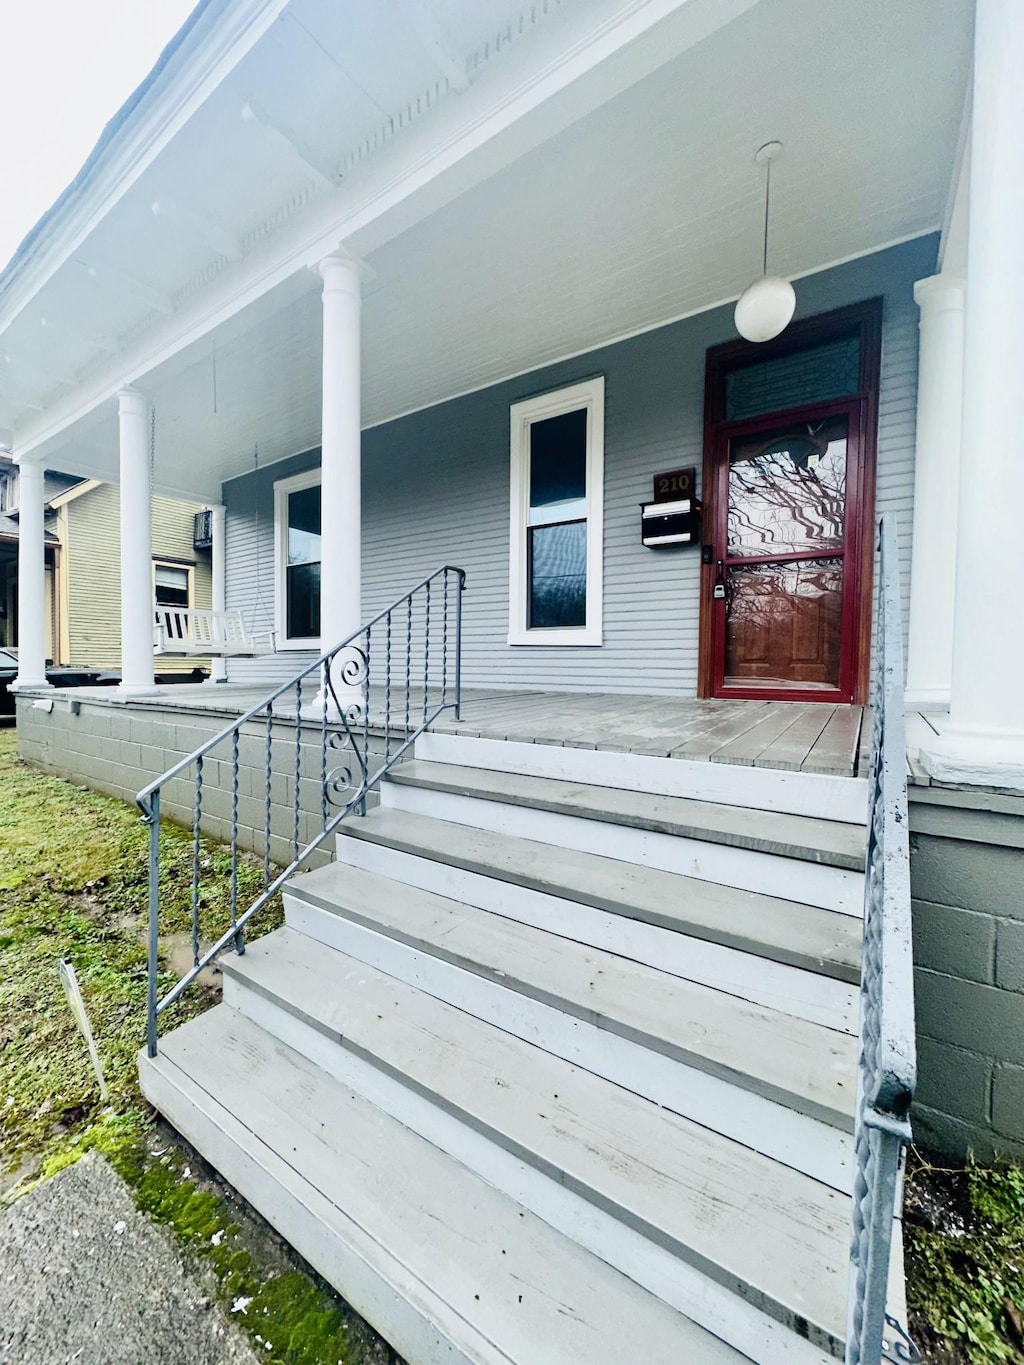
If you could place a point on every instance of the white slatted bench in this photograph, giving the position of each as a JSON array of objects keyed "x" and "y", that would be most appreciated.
[{"x": 188, "y": 630}]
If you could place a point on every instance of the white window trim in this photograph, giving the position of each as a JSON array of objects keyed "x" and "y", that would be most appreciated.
[
  {"x": 190, "y": 569},
  {"x": 282, "y": 488},
  {"x": 589, "y": 395}
]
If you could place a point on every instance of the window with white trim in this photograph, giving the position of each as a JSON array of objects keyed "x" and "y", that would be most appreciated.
[
  {"x": 297, "y": 577},
  {"x": 557, "y": 505}
]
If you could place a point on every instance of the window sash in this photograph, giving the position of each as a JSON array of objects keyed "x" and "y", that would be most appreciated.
[{"x": 587, "y": 511}]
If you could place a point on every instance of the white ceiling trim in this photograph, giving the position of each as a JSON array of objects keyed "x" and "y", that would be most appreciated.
[
  {"x": 474, "y": 137},
  {"x": 217, "y": 44}
]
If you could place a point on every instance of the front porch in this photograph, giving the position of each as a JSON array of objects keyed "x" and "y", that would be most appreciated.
[{"x": 799, "y": 737}]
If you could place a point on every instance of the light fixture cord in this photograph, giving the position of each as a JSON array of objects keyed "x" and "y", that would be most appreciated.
[{"x": 767, "y": 193}]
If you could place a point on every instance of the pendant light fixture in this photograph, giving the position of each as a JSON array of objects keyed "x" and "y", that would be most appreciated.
[{"x": 765, "y": 308}]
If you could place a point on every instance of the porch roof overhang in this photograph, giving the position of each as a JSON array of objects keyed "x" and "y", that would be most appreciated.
[{"x": 523, "y": 187}]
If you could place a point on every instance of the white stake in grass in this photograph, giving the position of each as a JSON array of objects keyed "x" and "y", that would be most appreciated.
[{"x": 70, "y": 983}]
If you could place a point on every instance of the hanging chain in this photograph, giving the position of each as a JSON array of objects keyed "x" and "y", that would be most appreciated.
[{"x": 152, "y": 442}]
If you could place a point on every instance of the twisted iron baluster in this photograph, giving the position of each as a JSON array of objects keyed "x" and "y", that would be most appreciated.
[
  {"x": 426, "y": 653},
  {"x": 196, "y": 817},
  {"x": 444, "y": 644},
  {"x": 387, "y": 695},
  {"x": 298, "y": 763},
  {"x": 323, "y": 743},
  {"x": 266, "y": 831},
  {"x": 234, "y": 840},
  {"x": 408, "y": 661},
  {"x": 366, "y": 719}
]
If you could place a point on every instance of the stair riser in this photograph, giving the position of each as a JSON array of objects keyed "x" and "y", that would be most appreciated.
[
  {"x": 762, "y": 1331},
  {"x": 305, "y": 1220},
  {"x": 792, "y": 793},
  {"x": 792, "y": 990},
  {"x": 789, "y": 878},
  {"x": 797, "y": 1139}
]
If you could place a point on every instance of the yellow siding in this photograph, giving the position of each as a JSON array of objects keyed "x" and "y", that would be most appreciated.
[{"x": 93, "y": 555}]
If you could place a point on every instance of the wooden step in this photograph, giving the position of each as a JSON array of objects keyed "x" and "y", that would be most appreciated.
[
  {"x": 600, "y": 823},
  {"x": 730, "y": 783},
  {"x": 632, "y": 1182},
  {"x": 777, "y": 1082},
  {"x": 785, "y": 931},
  {"x": 830, "y": 842},
  {"x": 445, "y": 1267}
]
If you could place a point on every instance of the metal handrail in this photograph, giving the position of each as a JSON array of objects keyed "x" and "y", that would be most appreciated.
[
  {"x": 343, "y": 675},
  {"x": 887, "y": 1060}
]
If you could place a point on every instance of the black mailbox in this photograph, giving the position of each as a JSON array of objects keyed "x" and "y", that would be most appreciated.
[{"x": 670, "y": 523}]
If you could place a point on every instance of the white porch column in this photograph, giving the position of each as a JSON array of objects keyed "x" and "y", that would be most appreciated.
[
  {"x": 985, "y": 739},
  {"x": 31, "y": 578},
  {"x": 340, "y": 491},
  {"x": 136, "y": 546},
  {"x": 936, "y": 489},
  {"x": 218, "y": 667}
]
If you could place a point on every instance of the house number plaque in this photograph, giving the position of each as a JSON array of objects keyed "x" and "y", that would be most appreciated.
[{"x": 675, "y": 485}]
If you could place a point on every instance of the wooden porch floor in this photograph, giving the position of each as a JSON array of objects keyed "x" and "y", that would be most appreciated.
[
  {"x": 800, "y": 737},
  {"x": 772, "y": 734}
]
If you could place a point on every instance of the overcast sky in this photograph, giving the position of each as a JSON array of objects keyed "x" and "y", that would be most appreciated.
[{"x": 68, "y": 66}]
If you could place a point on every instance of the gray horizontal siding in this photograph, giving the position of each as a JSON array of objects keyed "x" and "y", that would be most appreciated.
[{"x": 436, "y": 490}]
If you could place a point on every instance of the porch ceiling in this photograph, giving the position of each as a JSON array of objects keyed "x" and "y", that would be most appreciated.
[{"x": 646, "y": 209}]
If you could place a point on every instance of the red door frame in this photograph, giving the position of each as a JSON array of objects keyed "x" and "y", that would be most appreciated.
[
  {"x": 863, "y": 320},
  {"x": 853, "y": 410}
]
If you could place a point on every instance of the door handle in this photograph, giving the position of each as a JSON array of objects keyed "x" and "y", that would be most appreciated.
[{"x": 719, "y": 592}]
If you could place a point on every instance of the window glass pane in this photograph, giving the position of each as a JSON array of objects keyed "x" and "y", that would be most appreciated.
[
  {"x": 791, "y": 381},
  {"x": 303, "y": 601},
  {"x": 558, "y": 467},
  {"x": 171, "y": 586},
  {"x": 304, "y": 526},
  {"x": 558, "y": 575},
  {"x": 787, "y": 489},
  {"x": 784, "y": 623}
]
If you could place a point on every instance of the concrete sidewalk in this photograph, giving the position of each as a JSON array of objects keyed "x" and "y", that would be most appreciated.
[{"x": 85, "y": 1279}]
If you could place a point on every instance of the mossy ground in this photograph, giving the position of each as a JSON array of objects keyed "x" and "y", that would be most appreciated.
[
  {"x": 73, "y": 871},
  {"x": 965, "y": 1261}
]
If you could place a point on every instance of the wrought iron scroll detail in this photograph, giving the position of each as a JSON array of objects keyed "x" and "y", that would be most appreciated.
[{"x": 311, "y": 764}]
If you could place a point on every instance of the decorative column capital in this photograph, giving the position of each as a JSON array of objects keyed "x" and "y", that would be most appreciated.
[
  {"x": 132, "y": 400},
  {"x": 29, "y": 466},
  {"x": 941, "y": 293},
  {"x": 343, "y": 272}
]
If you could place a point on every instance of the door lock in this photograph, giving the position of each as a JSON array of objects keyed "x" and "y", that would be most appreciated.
[{"x": 719, "y": 592}]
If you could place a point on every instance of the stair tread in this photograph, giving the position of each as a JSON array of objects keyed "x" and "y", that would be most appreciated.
[
  {"x": 776, "y": 1236},
  {"x": 803, "y": 1065},
  {"x": 786, "y": 931},
  {"x": 497, "y": 1279},
  {"x": 830, "y": 842}
]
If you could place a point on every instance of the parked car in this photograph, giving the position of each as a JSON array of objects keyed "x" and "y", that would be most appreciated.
[
  {"x": 64, "y": 675},
  {"x": 58, "y": 675}
]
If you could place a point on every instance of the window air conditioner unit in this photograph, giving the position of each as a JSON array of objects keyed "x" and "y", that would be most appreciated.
[{"x": 202, "y": 531}]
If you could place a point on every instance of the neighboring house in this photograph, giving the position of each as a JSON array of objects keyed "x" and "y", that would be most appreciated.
[
  {"x": 596, "y": 1017},
  {"x": 83, "y": 566}
]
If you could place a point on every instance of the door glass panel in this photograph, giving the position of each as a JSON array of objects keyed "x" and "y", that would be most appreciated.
[
  {"x": 784, "y": 623},
  {"x": 558, "y": 467},
  {"x": 558, "y": 575},
  {"x": 815, "y": 375},
  {"x": 787, "y": 489}
]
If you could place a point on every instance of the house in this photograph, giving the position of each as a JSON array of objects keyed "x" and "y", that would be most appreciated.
[
  {"x": 550, "y": 610},
  {"x": 82, "y": 568}
]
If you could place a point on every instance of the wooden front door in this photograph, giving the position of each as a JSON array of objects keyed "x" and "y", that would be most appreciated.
[{"x": 788, "y": 506}]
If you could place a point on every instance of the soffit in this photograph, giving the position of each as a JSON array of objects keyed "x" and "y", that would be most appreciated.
[{"x": 645, "y": 210}]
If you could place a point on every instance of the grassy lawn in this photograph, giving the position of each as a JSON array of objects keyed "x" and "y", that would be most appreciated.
[{"x": 73, "y": 884}]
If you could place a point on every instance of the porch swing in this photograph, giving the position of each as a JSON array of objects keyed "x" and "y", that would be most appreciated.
[{"x": 203, "y": 633}]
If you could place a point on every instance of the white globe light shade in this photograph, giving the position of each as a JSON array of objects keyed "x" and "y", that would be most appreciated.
[{"x": 765, "y": 308}]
